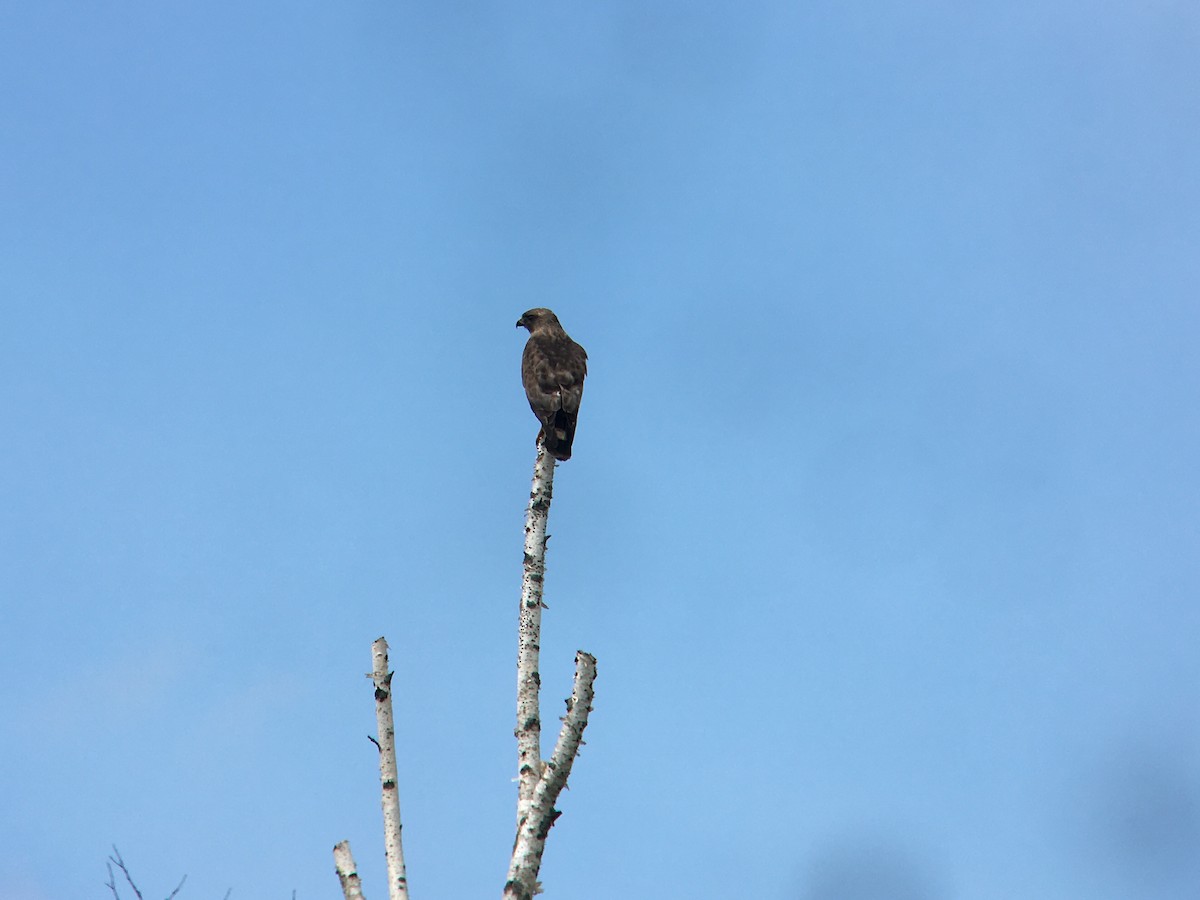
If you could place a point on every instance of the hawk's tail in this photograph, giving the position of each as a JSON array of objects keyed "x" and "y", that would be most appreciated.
[{"x": 558, "y": 435}]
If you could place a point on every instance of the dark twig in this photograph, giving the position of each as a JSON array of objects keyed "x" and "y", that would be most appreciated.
[
  {"x": 111, "y": 884},
  {"x": 120, "y": 864}
]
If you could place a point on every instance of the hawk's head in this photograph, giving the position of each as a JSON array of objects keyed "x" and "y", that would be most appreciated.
[{"x": 538, "y": 318}]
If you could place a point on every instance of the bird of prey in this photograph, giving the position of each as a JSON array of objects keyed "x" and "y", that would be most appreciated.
[{"x": 553, "y": 368}]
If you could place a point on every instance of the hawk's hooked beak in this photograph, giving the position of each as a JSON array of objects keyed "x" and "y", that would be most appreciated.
[{"x": 520, "y": 321}]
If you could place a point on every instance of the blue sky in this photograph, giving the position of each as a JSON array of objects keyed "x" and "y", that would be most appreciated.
[{"x": 883, "y": 517}]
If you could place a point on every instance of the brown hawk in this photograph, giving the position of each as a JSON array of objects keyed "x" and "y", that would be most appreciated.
[{"x": 553, "y": 368}]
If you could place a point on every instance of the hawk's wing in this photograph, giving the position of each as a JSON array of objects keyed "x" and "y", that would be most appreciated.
[{"x": 553, "y": 368}]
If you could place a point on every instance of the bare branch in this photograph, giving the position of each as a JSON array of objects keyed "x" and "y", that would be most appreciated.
[
  {"x": 347, "y": 872},
  {"x": 570, "y": 736},
  {"x": 529, "y": 725},
  {"x": 540, "y": 783},
  {"x": 531, "y": 835},
  {"x": 111, "y": 884},
  {"x": 388, "y": 774},
  {"x": 120, "y": 864}
]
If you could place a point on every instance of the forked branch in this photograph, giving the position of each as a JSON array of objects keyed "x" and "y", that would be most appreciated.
[{"x": 539, "y": 783}]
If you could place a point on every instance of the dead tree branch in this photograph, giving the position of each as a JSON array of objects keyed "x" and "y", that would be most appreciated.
[
  {"x": 388, "y": 773},
  {"x": 539, "y": 783},
  {"x": 347, "y": 871},
  {"x": 111, "y": 884}
]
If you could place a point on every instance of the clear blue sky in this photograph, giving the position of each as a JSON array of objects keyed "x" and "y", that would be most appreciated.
[{"x": 884, "y": 516}]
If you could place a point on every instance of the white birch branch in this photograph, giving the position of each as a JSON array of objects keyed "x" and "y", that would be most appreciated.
[
  {"x": 347, "y": 871},
  {"x": 388, "y": 777},
  {"x": 529, "y": 725},
  {"x": 532, "y": 832},
  {"x": 538, "y": 783}
]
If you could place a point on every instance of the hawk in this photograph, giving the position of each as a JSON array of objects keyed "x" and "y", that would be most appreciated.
[{"x": 552, "y": 368}]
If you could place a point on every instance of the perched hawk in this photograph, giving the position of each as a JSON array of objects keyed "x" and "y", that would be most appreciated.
[{"x": 552, "y": 368}]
